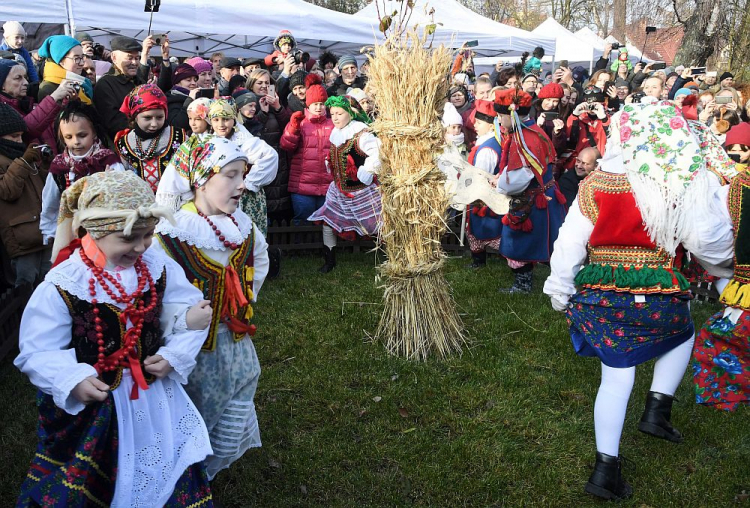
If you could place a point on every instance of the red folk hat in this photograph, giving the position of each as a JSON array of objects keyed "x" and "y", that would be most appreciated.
[
  {"x": 512, "y": 99},
  {"x": 485, "y": 111}
]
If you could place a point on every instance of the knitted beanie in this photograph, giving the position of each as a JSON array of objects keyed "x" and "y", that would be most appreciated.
[
  {"x": 183, "y": 71},
  {"x": 5, "y": 68},
  {"x": 244, "y": 98},
  {"x": 315, "y": 92},
  {"x": 347, "y": 60},
  {"x": 13, "y": 28},
  {"x": 725, "y": 76},
  {"x": 738, "y": 135},
  {"x": 297, "y": 79},
  {"x": 451, "y": 116},
  {"x": 57, "y": 46},
  {"x": 10, "y": 121},
  {"x": 199, "y": 64},
  {"x": 551, "y": 91},
  {"x": 682, "y": 91}
]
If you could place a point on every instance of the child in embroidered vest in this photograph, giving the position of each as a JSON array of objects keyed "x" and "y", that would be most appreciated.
[
  {"x": 226, "y": 122},
  {"x": 80, "y": 136},
  {"x": 149, "y": 145},
  {"x": 224, "y": 254},
  {"x": 109, "y": 338},
  {"x": 197, "y": 112},
  {"x": 352, "y": 205}
]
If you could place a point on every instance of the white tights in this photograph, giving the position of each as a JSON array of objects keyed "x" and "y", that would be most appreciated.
[
  {"x": 614, "y": 392},
  {"x": 329, "y": 237}
]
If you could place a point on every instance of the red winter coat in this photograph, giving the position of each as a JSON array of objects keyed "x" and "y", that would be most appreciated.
[
  {"x": 309, "y": 146},
  {"x": 40, "y": 119}
]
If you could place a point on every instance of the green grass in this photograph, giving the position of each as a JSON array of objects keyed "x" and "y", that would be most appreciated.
[{"x": 510, "y": 423}]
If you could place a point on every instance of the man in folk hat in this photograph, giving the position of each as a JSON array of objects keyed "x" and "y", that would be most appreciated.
[
  {"x": 483, "y": 226},
  {"x": 537, "y": 207}
]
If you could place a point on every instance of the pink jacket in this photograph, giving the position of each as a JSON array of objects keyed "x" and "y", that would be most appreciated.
[
  {"x": 309, "y": 146},
  {"x": 40, "y": 120}
]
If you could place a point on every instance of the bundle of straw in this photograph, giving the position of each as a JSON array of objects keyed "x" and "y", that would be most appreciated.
[{"x": 409, "y": 84}]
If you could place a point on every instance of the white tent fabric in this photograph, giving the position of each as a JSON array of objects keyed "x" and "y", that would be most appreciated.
[
  {"x": 588, "y": 35},
  {"x": 236, "y": 27},
  {"x": 458, "y": 24},
  {"x": 569, "y": 47}
]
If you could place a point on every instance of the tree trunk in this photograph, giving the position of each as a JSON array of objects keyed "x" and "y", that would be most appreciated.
[
  {"x": 701, "y": 33},
  {"x": 619, "y": 15}
]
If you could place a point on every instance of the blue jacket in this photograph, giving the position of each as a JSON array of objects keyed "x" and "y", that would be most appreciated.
[{"x": 30, "y": 68}]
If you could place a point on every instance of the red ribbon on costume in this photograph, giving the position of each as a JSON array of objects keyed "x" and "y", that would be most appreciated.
[
  {"x": 66, "y": 252},
  {"x": 234, "y": 301}
]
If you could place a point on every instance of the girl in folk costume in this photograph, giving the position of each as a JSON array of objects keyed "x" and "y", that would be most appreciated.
[
  {"x": 197, "y": 112},
  {"x": 224, "y": 255},
  {"x": 352, "y": 204},
  {"x": 223, "y": 117},
  {"x": 148, "y": 147},
  {"x": 79, "y": 131},
  {"x": 537, "y": 208},
  {"x": 483, "y": 226},
  {"x": 109, "y": 338},
  {"x": 652, "y": 198}
]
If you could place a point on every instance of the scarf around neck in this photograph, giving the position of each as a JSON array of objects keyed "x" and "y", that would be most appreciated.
[
  {"x": 96, "y": 160},
  {"x": 55, "y": 74}
]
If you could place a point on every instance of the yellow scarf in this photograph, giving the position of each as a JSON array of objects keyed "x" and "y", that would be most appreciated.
[{"x": 55, "y": 74}]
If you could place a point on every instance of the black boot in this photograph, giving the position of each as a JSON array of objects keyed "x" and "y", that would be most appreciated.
[
  {"x": 606, "y": 481},
  {"x": 330, "y": 260},
  {"x": 274, "y": 262},
  {"x": 478, "y": 260},
  {"x": 522, "y": 284},
  {"x": 656, "y": 419}
]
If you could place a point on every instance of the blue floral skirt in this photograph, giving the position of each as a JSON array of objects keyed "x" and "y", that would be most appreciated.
[
  {"x": 721, "y": 362},
  {"x": 622, "y": 332}
]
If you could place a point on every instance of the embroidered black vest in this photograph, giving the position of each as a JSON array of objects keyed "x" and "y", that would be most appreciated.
[
  {"x": 84, "y": 334},
  {"x": 209, "y": 276},
  {"x": 338, "y": 159},
  {"x": 132, "y": 160}
]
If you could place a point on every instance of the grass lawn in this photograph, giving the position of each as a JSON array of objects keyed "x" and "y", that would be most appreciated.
[{"x": 510, "y": 423}]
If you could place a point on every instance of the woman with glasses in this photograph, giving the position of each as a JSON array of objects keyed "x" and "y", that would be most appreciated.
[{"x": 64, "y": 62}]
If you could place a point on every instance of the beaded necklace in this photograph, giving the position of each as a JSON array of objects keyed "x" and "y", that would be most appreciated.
[
  {"x": 217, "y": 231},
  {"x": 150, "y": 151}
]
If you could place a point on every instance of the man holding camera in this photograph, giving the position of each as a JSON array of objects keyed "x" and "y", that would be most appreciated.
[
  {"x": 129, "y": 69},
  {"x": 588, "y": 125}
]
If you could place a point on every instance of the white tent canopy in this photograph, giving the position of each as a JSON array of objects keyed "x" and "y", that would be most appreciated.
[
  {"x": 588, "y": 35},
  {"x": 458, "y": 24},
  {"x": 570, "y": 47},
  {"x": 236, "y": 27}
]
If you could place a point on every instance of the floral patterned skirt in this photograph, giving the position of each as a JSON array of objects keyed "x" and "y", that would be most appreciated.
[
  {"x": 254, "y": 205},
  {"x": 75, "y": 463},
  {"x": 622, "y": 332},
  {"x": 721, "y": 362}
]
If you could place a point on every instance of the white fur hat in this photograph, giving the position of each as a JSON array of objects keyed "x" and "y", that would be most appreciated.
[
  {"x": 13, "y": 28},
  {"x": 451, "y": 116}
]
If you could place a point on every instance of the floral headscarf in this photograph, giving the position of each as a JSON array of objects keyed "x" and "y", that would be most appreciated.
[
  {"x": 224, "y": 107},
  {"x": 197, "y": 160},
  {"x": 143, "y": 98},
  {"x": 105, "y": 203},
  {"x": 200, "y": 107}
]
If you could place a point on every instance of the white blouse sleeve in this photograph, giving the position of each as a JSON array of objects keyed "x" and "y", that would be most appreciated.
[
  {"x": 264, "y": 160},
  {"x": 260, "y": 261},
  {"x": 117, "y": 166},
  {"x": 46, "y": 356},
  {"x": 711, "y": 237},
  {"x": 515, "y": 181},
  {"x": 569, "y": 252},
  {"x": 50, "y": 209},
  {"x": 370, "y": 145},
  {"x": 181, "y": 345},
  {"x": 486, "y": 159}
]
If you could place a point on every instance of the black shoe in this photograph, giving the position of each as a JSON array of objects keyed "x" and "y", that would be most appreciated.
[
  {"x": 522, "y": 284},
  {"x": 606, "y": 481},
  {"x": 656, "y": 419},
  {"x": 478, "y": 260},
  {"x": 330, "y": 260},
  {"x": 274, "y": 262}
]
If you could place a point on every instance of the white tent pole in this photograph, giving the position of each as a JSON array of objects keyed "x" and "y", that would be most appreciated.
[{"x": 71, "y": 26}]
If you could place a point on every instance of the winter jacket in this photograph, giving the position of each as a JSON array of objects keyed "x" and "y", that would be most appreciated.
[
  {"x": 294, "y": 104},
  {"x": 585, "y": 129},
  {"x": 339, "y": 87},
  {"x": 109, "y": 92},
  {"x": 278, "y": 200},
  {"x": 20, "y": 206},
  {"x": 309, "y": 147},
  {"x": 30, "y": 67},
  {"x": 560, "y": 139},
  {"x": 39, "y": 118},
  {"x": 177, "y": 104}
]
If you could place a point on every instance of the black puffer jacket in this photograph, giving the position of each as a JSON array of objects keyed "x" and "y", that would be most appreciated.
[
  {"x": 339, "y": 87},
  {"x": 177, "y": 104},
  {"x": 278, "y": 199}
]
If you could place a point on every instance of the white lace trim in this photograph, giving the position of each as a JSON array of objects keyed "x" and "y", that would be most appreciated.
[
  {"x": 182, "y": 363},
  {"x": 195, "y": 230},
  {"x": 340, "y": 136},
  {"x": 72, "y": 276}
]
